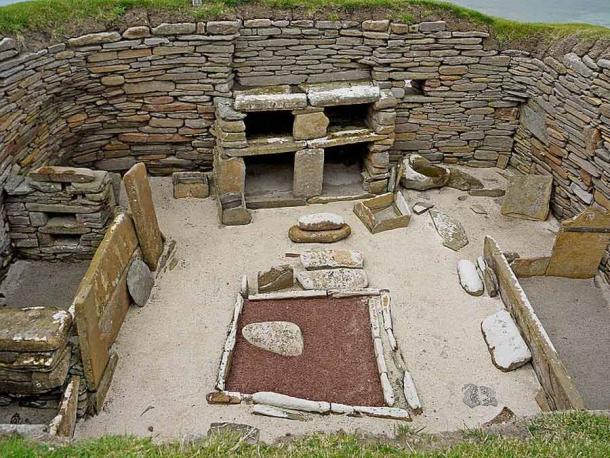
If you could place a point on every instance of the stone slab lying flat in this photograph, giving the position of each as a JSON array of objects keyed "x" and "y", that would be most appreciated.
[
  {"x": 281, "y": 337},
  {"x": 329, "y": 94},
  {"x": 33, "y": 329},
  {"x": 333, "y": 279},
  {"x": 321, "y": 222},
  {"x": 450, "y": 230},
  {"x": 507, "y": 348},
  {"x": 269, "y": 101},
  {"x": 325, "y": 259},
  {"x": 469, "y": 277}
]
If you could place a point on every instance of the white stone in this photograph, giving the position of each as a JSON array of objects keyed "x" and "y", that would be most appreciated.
[
  {"x": 270, "y": 411},
  {"x": 392, "y": 413},
  {"x": 281, "y": 337},
  {"x": 321, "y": 222},
  {"x": 469, "y": 277},
  {"x": 288, "y": 402},
  {"x": 508, "y": 349},
  {"x": 388, "y": 392},
  {"x": 343, "y": 409},
  {"x": 410, "y": 392},
  {"x": 330, "y": 259},
  {"x": 333, "y": 279},
  {"x": 342, "y": 94}
]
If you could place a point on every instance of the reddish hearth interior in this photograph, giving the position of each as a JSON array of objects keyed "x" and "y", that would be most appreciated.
[{"x": 338, "y": 361}]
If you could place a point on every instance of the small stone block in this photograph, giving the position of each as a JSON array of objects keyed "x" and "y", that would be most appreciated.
[{"x": 191, "y": 184}]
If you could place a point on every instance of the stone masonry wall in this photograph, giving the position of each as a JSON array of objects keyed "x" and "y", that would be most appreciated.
[{"x": 564, "y": 127}]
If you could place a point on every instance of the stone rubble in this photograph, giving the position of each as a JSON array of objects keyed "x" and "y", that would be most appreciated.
[{"x": 321, "y": 222}]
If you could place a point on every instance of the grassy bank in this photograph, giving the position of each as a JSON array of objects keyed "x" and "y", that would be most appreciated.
[
  {"x": 54, "y": 17},
  {"x": 563, "y": 435}
]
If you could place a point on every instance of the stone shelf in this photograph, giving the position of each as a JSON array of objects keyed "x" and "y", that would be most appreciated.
[
  {"x": 345, "y": 137},
  {"x": 269, "y": 99},
  {"x": 341, "y": 93},
  {"x": 268, "y": 145}
]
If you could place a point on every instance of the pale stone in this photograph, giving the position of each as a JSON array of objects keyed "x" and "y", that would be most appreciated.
[
  {"x": 321, "y": 222},
  {"x": 331, "y": 259},
  {"x": 333, "y": 279},
  {"x": 33, "y": 329},
  {"x": 62, "y": 174},
  {"x": 309, "y": 125},
  {"x": 298, "y": 235},
  {"x": 308, "y": 172},
  {"x": 140, "y": 282},
  {"x": 422, "y": 207},
  {"x": 450, "y": 230},
  {"x": 288, "y": 402},
  {"x": 276, "y": 278},
  {"x": 528, "y": 197},
  {"x": 420, "y": 174},
  {"x": 269, "y": 99},
  {"x": 458, "y": 179},
  {"x": 469, "y": 277},
  {"x": 94, "y": 39},
  {"x": 392, "y": 413},
  {"x": 508, "y": 349},
  {"x": 281, "y": 337},
  {"x": 144, "y": 215},
  {"x": 410, "y": 393},
  {"x": 388, "y": 392},
  {"x": 347, "y": 93},
  {"x": 275, "y": 412}
]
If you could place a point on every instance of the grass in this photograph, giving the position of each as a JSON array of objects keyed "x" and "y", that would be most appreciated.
[
  {"x": 574, "y": 434},
  {"x": 53, "y": 16}
]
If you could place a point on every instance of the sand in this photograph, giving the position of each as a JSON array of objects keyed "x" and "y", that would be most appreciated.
[
  {"x": 170, "y": 349},
  {"x": 576, "y": 315}
]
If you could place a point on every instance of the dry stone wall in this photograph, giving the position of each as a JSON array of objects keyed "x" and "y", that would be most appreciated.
[
  {"x": 564, "y": 128},
  {"x": 107, "y": 100}
]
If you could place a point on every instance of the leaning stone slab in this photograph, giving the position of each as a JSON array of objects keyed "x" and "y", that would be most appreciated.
[
  {"x": 321, "y": 222},
  {"x": 281, "y": 337},
  {"x": 331, "y": 259},
  {"x": 410, "y": 392},
  {"x": 64, "y": 422},
  {"x": 33, "y": 329},
  {"x": 270, "y": 411},
  {"x": 298, "y": 235},
  {"x": 288, "y": 402},
  {"x": 469, "y": 277},
  {"x": 450, "y": 230},
  {"x": 507, "y": 348},
  {"x": 276, "y": 278},
  {"x": 528, "y": 197},
  {"x": 333, "y": 279},
  {"x": 144, "y": 215},
  {"x": 140, "y": 282},
  {"x": 62, "y": 174}
]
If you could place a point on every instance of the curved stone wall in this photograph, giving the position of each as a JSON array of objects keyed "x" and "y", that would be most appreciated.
[{"x": 107, "y": 100}]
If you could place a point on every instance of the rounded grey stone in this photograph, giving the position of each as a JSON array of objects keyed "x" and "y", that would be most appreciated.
[{"x": 139, "y": 282}]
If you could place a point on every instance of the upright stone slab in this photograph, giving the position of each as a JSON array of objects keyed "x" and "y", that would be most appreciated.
[
  {"x": 580, "y": 245},
  {"x": 309, "y": 125},
  {"x": 308, "y": 172},
  {"x": 144, "y": 215},
  {"x": 528, "y": 197}
]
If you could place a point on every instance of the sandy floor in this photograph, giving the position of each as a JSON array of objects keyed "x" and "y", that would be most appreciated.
[
  {"x": 576, "y": 315},
  {"x": 169, "y": 350},
  {"x": 42, "y": 284}
]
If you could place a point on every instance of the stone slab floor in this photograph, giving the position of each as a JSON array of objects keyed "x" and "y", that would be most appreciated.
[{"x": 169, "y": 350}]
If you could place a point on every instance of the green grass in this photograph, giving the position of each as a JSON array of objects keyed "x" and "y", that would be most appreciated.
[
  {"x": 53, "y": 16},
  {"x": 575, "y": 434}
]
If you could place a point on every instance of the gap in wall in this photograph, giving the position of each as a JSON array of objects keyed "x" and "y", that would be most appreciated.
[
  {"x": 346, "y": 117},
  {"x": 269, "y": 174},
  {"x": 269, "y": 124},
  {"x": 343, "y": 169}
]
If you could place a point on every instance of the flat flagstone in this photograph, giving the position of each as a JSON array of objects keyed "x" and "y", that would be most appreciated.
[
  {"x": 528, "y": 197},
  {"x": 333, "y": 279},
  {"x": 321, "y": 222},
  {"x": 507, "y": 348},
  {"x": 281, "y": 337},
  {"x": 469, "y": 277},
  {"x": 324, "y": 259},
  {"x": 451, "y": 231}
]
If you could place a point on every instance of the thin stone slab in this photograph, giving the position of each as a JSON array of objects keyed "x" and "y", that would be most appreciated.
[
  {"x": 331, "y": 259},
  {"x": 342, "y": 93},
  {"x": 507, "y": 348},
  {"x": 321, "y": 222},
  {"x": 281, "y": 337},
  {"x": 144, "y": 215},
  {"x": 422, "y": 207},
  {"x": 33, "y": 329},
  {"x": 348, "y": 279},
  {"x": 288, "y": 402},
  {"x": 469, "y": 278},
  {"x": 451, "y": 231},
  {"x": 269, "y": 99},
  {"x": 528, "y": 197},
  {"x": 140, "y": 282},
  {"x": 62, "y": 174},
  {"x": 275, "y": 412}
]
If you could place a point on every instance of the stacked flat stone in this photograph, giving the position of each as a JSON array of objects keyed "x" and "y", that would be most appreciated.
[
  {"x": 565, "y": 127},
  {"x": 60, "y": 212},
  {"x": 35, "y": 353}
]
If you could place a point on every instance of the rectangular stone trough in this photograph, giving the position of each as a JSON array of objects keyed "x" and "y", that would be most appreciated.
[{"x": 383, "y": 213}]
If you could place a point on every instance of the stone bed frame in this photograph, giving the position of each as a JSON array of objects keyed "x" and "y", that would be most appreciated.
[
  {"x": 558, "y": 389},
  {"x": 379, "y": 306}
]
